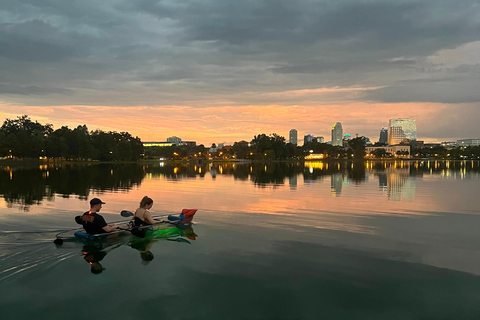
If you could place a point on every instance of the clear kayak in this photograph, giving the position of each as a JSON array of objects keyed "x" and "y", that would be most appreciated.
[{"x": 173, "y": 226}]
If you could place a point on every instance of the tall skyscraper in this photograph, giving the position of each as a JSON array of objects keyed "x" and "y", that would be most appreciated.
[
  {"x": 293, "y": 137},
  {"x": 400, "y": 129},
  {"x": 383, "y": 135},
  {"x": 337, "y": 134}
]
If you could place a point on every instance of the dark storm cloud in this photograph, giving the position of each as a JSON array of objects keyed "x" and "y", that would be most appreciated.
[
  {"x": 33, "y": 41},
  {"x": 428, "y": 91},
  {"x": 339, "y": 66},
  {"x": 31, "y": 90},
  {"x": 122, "y": 51},
  {"x": 455, "y": 85}
]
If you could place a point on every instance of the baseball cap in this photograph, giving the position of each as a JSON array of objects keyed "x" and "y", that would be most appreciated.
[{"x": 96, "y": 201}]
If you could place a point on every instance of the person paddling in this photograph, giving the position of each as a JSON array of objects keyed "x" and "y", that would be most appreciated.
[
  {"x": 142, "y": 216},
  {"x": 94, "y": 223}
]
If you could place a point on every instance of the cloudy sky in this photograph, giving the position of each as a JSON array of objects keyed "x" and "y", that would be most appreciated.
[{"x": 226, "y": 70}]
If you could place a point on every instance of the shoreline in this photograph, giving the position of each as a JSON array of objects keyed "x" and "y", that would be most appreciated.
[{"x": 35, "y": 162}]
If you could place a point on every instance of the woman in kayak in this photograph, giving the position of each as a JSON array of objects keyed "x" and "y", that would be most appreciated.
[{"x": 142, "y": 215}]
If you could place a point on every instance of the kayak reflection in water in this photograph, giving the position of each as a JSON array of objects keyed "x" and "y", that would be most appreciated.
[{"x": 177, "y": 232}]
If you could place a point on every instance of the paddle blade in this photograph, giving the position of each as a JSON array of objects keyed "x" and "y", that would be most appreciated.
[{"x": 126, "y": 213}]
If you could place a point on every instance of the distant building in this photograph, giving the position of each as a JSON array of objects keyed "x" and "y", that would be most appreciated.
[
  {"x": 293, "y": 137},
  {"x": 383, "y": 135},
  {"x": 401, "y": 129},
  {"x": 449, "y": 144},
  {"x": 308, "y": 138},
  {"x": 468, "y": 142},
  {"x": 320, "y": 139},
  {"x": 402, "y": 151},
  {"x": 190, "y": 143},
  {"x": 246, "y": 143},
  {"x": 367, "y": 141},
  {"x": 157, "y": 144},
  {"x": 337, "y": 134},
  {"x": 175, "y": 140}
]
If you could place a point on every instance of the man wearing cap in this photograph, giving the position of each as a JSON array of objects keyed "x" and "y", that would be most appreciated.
[{"x": 94, "y": 223}]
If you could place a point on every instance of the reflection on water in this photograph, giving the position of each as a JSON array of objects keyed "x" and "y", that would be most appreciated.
[
  {"x": 28, "y": 186},
  {"x": 95, "y": 251}
]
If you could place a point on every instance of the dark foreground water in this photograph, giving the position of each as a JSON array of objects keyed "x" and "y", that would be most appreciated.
[{"x": 394, "y": 240}]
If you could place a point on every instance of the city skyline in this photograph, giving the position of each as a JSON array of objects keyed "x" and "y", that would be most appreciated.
[{"x": 225, "y": 71}]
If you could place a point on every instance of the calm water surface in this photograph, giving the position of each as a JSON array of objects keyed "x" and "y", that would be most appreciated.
[{"x": 330, "y": 240}]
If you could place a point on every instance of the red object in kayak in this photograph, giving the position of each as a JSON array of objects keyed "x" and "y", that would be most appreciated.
[{"x": 188, "y": 212}]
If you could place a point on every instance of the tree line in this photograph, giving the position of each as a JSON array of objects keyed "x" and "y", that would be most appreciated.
[
  {"x": 24, "y": 138},
  {"x": 261, "y": 147}
]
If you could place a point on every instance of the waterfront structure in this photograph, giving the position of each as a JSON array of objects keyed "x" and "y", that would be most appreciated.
[
  {"x": 169, "y": 144},
  {"x": 158, "y": 144},
  {"x": 468, "y": 142},
  {"x": 175, "y": 140},
  {"x": 449, "y": 144},
  {"x": 400, "y": 130},
  {"x": 293, "y": 137},
  {"x": 337, "y": 134},
  {"x": 401, "y": 150},
  {"x": 383, "y": 135}
]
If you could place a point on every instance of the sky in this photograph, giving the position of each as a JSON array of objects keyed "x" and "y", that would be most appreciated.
[{"x": 216, "y": 71}]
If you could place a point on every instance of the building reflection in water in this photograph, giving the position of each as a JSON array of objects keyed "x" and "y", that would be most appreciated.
[
  {"x": 400, "y": 186},
  {"x": 337, "y": 183},
  {"x": 30, "y": 185},
  {"x": 293, "y": 181},
  {"x": 396, "y": 180}
]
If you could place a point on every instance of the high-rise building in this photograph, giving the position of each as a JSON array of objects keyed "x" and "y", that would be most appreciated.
[
  {"x": 337, "y": 134},
  {"x": 401, "y": 129},
  {"x": 308, "y": 138},
  {"x": 293, "y": 137},
  {"x": 383, "y": 135}
]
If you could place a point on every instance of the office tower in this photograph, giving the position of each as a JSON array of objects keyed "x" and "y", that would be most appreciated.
[
  {"x": 337, "y": 134},
  {"x": 293, "y": 137},
  {"x": 401, "y": 129},
  {"x": 383, "y": 135},
  {"x": 308, "y": 138}
]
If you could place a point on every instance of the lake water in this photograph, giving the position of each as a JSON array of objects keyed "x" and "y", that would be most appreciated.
[{"x": 324, "y": 240}]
